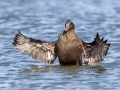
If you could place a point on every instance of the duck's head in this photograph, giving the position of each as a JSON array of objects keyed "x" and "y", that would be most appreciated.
[{"x": 69, "y": 25}]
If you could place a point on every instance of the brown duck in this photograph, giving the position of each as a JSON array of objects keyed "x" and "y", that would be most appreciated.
[{"x": 68, "y": 48}]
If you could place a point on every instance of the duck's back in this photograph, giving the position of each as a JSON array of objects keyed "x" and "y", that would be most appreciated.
[{"x": 69, "y": 51}]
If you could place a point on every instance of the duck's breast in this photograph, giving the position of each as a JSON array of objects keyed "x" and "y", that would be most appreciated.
[{"x": 69, "y": 52}]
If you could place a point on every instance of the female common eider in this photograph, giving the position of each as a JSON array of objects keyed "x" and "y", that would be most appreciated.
[{"x": 68, "y": 48}]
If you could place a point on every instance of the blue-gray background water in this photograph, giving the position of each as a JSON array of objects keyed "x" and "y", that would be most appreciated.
[{"x": 45, "y": 19}]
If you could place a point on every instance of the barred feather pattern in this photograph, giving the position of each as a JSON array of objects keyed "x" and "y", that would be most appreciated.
[
  {"x": 37, "y": 49},
  {"x": 96, "y": 51}
]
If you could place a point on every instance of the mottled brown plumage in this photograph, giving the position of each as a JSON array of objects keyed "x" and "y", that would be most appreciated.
[{"x": 68, "y": 48}]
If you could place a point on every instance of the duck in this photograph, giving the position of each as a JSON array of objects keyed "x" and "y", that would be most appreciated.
[{"x": 69, "y": 48}]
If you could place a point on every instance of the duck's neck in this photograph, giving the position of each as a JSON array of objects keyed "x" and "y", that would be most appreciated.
[
  {"x": 70, "y": 34},
  {"x": 64, "y": 36}
]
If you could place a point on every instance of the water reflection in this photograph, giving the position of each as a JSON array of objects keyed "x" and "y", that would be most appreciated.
[
  {"x": 54, "y": 68},
  {"x": 97, "y": 69},
  {"x": 35, "y": 68},
  {"x": 69, "y": 70}
]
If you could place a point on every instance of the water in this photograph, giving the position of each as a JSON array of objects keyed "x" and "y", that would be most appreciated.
[{"x": 43, "y": 19}]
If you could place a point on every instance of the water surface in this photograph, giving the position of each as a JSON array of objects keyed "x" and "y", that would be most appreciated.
[{"x": 45, "y": 20}]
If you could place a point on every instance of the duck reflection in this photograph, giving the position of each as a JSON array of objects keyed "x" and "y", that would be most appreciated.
[
  {"x": 56, "y": 68},
  {"x": 35, "y": 68},
  {"x": 97, "y": 69},
  {"x": 69, "y": 70}
]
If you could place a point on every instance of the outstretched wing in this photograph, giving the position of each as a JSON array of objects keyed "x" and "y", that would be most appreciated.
[
  {"x": 37, "y": 49},
  {"x": 96, "y": 51}
]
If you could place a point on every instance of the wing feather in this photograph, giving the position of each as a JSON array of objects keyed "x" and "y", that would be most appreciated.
[
  {"x": 37, "y": 49},
  {"x": 95, "y": 52}
]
